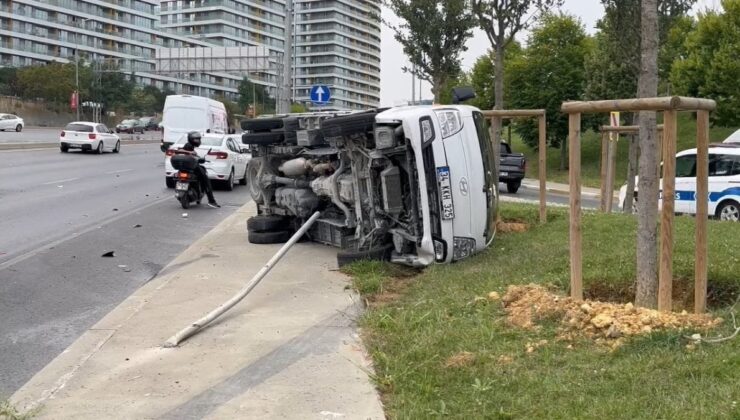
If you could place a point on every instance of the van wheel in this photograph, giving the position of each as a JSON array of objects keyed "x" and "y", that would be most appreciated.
[
  {"x": 266, "y": 223},
  {"x": 348, "y": 125},
  {"x": 276, "y": 237},
  {"x": 382, "y": 253},
  {"x": 263, "y": 139},
  {"x": 729, "y": 211},
  {"x": 262, "y": 124}
]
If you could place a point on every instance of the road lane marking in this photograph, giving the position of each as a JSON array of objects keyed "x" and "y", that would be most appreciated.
[
  {"x": 119, "y": 171},
  {"x": 60, "y": 181}
]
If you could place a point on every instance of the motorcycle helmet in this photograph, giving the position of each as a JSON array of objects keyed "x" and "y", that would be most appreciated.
[{"x": 194, "y": 138}]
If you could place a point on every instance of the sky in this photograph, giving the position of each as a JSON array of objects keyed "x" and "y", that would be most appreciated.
[{"x": 395, "y": 86}]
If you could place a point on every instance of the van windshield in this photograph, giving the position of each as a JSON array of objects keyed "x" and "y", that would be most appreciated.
[{"x": 185, "y": 118}]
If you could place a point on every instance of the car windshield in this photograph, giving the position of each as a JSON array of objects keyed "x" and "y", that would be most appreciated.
[{"x": 83, "y": 128}]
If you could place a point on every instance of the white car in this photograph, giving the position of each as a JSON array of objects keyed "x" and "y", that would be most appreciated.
[
  {"x": 11, "y": 122},
  {"x": 88, "y": 136},
  {"x": 724, "y": 182},
  {"x": 226, "y": 159}
]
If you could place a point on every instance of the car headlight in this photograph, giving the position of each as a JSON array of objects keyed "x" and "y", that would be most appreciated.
[
  {"x": 462, "y": 248},
  {"x": 440, "y": 249},
  {"x": 449, "y": 121}
]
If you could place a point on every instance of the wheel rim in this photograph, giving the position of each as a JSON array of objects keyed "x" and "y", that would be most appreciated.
[{"x": 730, "y": 212}]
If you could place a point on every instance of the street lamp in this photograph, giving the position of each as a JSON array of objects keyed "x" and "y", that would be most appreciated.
[{"x": 77, "y": 70}]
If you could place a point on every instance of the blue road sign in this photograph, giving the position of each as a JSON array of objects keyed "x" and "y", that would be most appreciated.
[{"x": 320, "y": 94}]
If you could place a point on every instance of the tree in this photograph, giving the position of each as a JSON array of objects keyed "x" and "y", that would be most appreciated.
[
  {"x": 8, "y": 81},
  {"x": 482, "y": 78},
  {"x": 115, "y": 90},
  {"x": 711, "y": 67},
  {"x": 549, "y": 72},
  {"x": 502, "y": 20},
  {"x": 647, "y": 216},
  {"x": 251, "y": 94},
  {"x": 298, "y": 108},
  {"x": 433, "y": 34},
  {"x": 53, "y": 82}
]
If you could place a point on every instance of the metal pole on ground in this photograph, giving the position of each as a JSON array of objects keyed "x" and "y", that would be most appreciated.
[{"x": 199, "y": 324}]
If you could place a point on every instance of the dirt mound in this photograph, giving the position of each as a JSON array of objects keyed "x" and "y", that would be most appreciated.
[
  {"x": 511, "y": 226},
  {"x": 600, "y": 321}
]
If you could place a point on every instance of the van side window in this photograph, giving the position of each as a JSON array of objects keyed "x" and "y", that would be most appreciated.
[{"x": 686, "y": 166}]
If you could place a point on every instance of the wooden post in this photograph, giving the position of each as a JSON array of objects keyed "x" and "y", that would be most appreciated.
[
  {"x": 542, "y": 168},
  {"x": 665, "y": 280},
  {"x": 576, "y": 260},
  {"x": 604, "y": 163},
  {"x": 702, "y": 196},
  {"x": 611, "y": 169}
]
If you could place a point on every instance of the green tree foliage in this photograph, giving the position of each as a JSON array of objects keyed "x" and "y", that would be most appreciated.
[
  {"x": 549, "y": 72},
  {"x": 433, "y": 34},
  {"x": 9, "y": 81},
  {"x": 711, "y": 68},
  {"x": 53, "y": 82},
  {"x": 115, "y": 90},
  {"x": 297, "y": 108},
  {"x": 482, "y": 76},
  {"x": 614, "y": 64},
  {"x": 146, "y": 100},
  {"x": 252, "y": 93}
]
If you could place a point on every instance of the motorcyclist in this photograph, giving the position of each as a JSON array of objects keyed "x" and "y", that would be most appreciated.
[{"x": 194, "y": 139}]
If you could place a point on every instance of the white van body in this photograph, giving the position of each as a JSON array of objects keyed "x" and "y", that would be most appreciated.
[
  {"x": 724, "y": 182},
  {"x": 185, "y": 113}
]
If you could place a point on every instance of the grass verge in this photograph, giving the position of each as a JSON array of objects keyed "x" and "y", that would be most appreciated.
[
  {"x": 8, "y": 412},
  {"x": 441, "y": 353},
  {"x": 591, "y": 153}
]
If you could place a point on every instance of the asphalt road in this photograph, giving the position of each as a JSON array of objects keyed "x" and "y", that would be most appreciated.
[
  {"x": 60, "y": 213},
  {"x": 51, "y": 135},
  {"x": 532, "y": 195}
]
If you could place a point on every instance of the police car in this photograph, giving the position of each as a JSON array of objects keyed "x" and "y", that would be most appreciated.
[{"x": 724, "y": 182}]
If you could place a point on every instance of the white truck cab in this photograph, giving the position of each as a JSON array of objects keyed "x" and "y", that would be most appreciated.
[{"x": 415, "y": 185}]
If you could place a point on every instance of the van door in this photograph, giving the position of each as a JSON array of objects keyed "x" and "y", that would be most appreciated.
[
  {"x": 724, "y": 176},
  {"x": 686, "y": 184}
]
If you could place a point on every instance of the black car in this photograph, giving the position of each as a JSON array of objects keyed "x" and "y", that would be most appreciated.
[
  {"x": 150, "y": 123},
  {"x": 512, "y": 167}
]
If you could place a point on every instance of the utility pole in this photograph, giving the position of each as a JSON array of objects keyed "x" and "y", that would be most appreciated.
[
  {"x": 284, "y": 107},
  {"x": 413, "y": 84},
  {"x": 77, "y": 69}
]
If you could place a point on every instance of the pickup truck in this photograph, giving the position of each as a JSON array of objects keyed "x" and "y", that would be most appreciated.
[
  {"x": 414, "y": 185},
  {"x": 511, "y": 168}
]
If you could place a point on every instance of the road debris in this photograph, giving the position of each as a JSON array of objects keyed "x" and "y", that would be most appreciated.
[
  {"x": 137, "y": 226},
  {"x": 603, "y": 322},
  {"x": 184, "y": 215},
  {"x": 109, "y": 254},
  {"x": 124, "y": 268}
]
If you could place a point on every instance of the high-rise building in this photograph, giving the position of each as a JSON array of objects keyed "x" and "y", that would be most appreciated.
[
  {"x": 123, "y": 32},
  {"x": 337, "y": 43}
]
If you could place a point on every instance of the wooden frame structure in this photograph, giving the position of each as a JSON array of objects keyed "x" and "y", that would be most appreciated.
[
  {"x": 670, "y": 106},
  {"x": 609, "y": 160},
  {"x": 502, "y": 114}
]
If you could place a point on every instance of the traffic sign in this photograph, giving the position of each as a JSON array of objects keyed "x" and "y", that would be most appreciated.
[{"x": 320, "y": 94}]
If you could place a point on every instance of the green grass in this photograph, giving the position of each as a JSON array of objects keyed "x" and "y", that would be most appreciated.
[
  {"x": 432, "y": 318},
  {"x": 8, "y": 412},
  {"x": 591, "y": 153}
]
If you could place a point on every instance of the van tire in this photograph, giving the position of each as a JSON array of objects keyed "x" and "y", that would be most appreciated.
[
  {"x": 263, "y": 139},
  {"x": 381, "y": 253},
  {"x": 276, "y": 237},
  {"x": 347, "y": 125},
  {"x": 262, "y": 124},
  {"x": 267, "y": 223}
]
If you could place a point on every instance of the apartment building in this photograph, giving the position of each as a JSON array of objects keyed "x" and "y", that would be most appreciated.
[{"x": 124, "y": 32}]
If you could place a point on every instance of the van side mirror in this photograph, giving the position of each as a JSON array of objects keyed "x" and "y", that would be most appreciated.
[{"x": 462, "y": 94}]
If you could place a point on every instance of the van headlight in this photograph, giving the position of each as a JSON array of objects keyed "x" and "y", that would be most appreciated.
[
  {"x": 462, "y": 248},
  {"x": 450, "y": 121},
  {"x": 440, "y": 250}
]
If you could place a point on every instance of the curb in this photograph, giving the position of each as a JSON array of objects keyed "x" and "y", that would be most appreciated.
[
  {"x": 564, "y": 190},
  {"x": 25, "y": 146}
]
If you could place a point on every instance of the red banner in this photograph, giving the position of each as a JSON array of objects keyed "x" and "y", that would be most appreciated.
[{"x": 74, "y": 100}]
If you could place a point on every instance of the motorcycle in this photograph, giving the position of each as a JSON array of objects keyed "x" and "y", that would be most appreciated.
[{"x": 187, "y": 186}]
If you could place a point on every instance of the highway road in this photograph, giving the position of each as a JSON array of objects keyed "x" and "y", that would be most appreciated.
[
  {"x": 59, "y": 214},
  {"x": 51, "y": 135}
]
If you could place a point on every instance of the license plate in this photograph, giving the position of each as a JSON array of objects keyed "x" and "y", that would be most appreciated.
[
  {"x": 182, "y": 186},
  {"x": 504, "y": 174},
  {"x": 445, "y": 192}
]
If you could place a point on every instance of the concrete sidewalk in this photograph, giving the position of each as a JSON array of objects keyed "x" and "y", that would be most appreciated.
[{"x": 289, "y": 350}]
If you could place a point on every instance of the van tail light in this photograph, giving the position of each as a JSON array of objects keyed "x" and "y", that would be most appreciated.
[
  {"x": 169, "y": 152},
  {"x": 219, "y": 155},
  {"x": 183, "y": 176},
  {"x": 62, "y": 135},
  {"x": 91, "y": 136}
]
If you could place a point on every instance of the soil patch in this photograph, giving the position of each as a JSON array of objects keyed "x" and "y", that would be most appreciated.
[
  {"x": 603, "y": 322},
  {"x": 461, "y": 359},
  {"x": 509, "y": 226}
]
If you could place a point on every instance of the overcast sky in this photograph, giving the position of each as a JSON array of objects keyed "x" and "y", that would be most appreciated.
[{"x": 395, "y": 86}]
